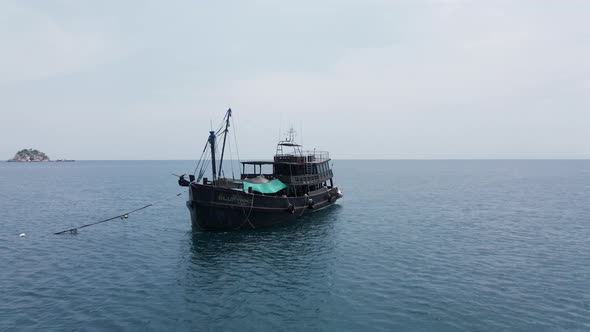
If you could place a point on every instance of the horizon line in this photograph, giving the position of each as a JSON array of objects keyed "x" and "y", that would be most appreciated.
[{"x": 346, "y": 159}]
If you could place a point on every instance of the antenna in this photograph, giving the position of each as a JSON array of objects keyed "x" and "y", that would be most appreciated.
[
  {"x": 280, "y": 125},
  {"x": 291, "y": 137}
]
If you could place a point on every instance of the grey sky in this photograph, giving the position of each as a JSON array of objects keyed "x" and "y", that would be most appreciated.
[{"x": 363, "y": 79}]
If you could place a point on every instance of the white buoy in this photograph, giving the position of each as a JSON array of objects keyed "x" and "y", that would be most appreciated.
[{"x": 22, "y": 235}]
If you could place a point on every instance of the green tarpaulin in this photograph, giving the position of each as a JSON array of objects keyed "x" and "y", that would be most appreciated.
[{"x": 270, "y": 187}]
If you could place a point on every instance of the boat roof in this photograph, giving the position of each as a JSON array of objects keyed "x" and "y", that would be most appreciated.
[
  {"x": 255, "y": 162},
  {"x": 288, "y": 144},
  {"x": 266, "y": 162}
]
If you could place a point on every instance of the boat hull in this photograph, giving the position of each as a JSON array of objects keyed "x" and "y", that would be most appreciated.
[{"x": 215, "y": 208}]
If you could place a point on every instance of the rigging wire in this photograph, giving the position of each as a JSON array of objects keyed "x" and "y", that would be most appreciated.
[
  {"x": 235, "y": 139},
  {"x": 201, "y": 158},
  {"x": 220, "y": 126},
  {"x": 204, "y": 168},
  {"x": 231, "y": 156},
  {"x": 216, "y": 157}
]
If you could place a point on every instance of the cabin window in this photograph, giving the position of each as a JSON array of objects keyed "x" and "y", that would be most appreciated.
[
  {"x": 298, "y": 170},
  {"x": 281, "y": 169}
]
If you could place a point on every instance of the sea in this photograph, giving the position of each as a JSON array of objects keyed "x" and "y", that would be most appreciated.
[{"x": 482, "y": 245}]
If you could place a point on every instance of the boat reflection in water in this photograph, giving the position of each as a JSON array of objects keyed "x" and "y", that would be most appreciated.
[
  {"x": 234, "y": 276},
  {"x": 309, "y": 236}
]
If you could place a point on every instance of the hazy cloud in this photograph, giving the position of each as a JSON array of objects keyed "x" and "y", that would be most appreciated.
[
  {"x": 377, "y": 79},
  {"x": 36, "y": 45}
]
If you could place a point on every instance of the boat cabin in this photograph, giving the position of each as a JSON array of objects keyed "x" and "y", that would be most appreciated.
[{"x": 301, "y": 171}]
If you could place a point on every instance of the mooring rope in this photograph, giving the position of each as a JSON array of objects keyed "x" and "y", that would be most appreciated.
[
  {"x": 121, "y": 216},
  {"x": 247, "y": 220},
  {"x": 249, "y": 213}
]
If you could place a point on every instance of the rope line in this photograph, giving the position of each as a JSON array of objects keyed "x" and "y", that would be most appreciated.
[
  {"x": 201, "y": 159},
  {"x": 248, "y": 216},
  {"x": 235, "y": 139},
  {"x": 121, "y": 216}
]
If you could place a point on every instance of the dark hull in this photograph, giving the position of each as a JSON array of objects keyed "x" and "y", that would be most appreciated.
[{"x": 214, "y": 208}]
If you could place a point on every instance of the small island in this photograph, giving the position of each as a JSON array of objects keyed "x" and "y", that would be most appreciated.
[{"x": 29, "y": 155}]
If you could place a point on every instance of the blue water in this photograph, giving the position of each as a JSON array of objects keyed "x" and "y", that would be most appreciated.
[{"x": 413, "y": 246}]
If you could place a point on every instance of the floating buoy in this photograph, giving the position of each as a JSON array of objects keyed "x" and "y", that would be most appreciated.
[{"x": 22, "y": 235}]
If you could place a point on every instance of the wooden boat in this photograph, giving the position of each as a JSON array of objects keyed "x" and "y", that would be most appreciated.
[{"x": 301, "y": 182}]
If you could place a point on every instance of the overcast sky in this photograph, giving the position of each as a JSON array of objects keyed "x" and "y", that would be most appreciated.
[{"x": 362, "y": 79}]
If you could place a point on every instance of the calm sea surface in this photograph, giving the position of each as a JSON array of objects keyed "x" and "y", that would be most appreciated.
[{"x": 413, "y": 246}]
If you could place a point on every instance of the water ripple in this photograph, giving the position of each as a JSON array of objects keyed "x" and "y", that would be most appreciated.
[{"x": 455, "y": 246}]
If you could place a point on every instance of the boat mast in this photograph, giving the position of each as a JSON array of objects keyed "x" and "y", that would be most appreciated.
[
  {"x": 212, "y": 143},
  {"x": 227, "y": 116}
]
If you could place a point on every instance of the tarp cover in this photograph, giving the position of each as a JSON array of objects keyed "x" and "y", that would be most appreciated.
[
  {"x": 258, "y": 179},
  {"x": 270, "y": 187}
]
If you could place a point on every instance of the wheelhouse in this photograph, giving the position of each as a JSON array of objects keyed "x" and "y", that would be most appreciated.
[{"x": 303, "y": 172}]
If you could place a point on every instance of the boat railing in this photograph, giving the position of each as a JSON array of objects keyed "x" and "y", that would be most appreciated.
[
  {"x": 307, "y": 179},
  {"x": 305, "y": 157}
]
